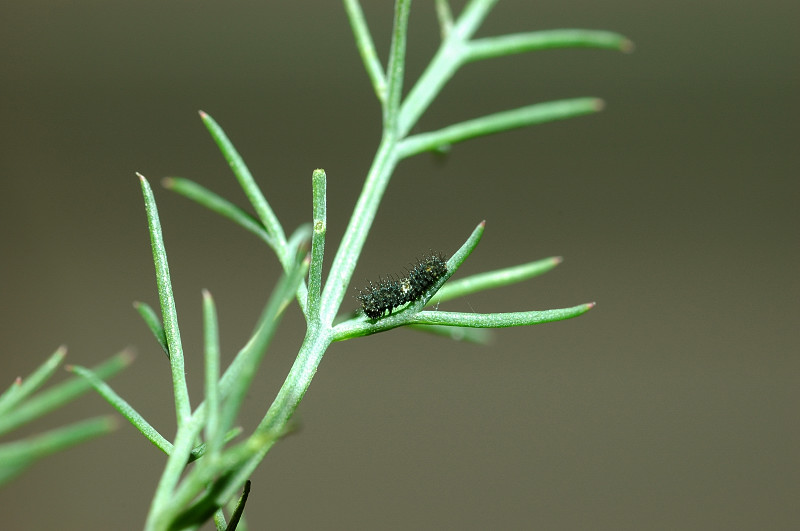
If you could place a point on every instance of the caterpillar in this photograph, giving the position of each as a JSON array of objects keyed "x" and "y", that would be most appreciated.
[{"x": 388, "y": 294}]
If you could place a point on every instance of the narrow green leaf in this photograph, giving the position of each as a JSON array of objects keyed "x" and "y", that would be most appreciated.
[
  {"x": 211, "y": 341},
  {"x": 445, "y": 16},
  {"x": 236, "y": 464},
  {"x": 220, "y": 205},
  {"x": 59, "y": 395},
  {"x": 445, "y": 63},
  {"x": 9, "y": 397},
  {"x": 491, "y": 47},
  {"x": 18, "y": 392},
  {"x": 163, "y": 499},
  {"x": 124, "y": 408},
  {"x": 153, "y": 322},
  {"x": 319, "y": 187},
  {"x": 499, "y": 320},
  {"x": 248, "y": 184},
  {"x": 395, "y": 69},
  {"x": 498, "y": 122},
  {"x": 169, "y": 312},
  {"x": 16, "y": 456},
  {"x": 366, "y": 48},
  {"x": 494, "y": 279}
]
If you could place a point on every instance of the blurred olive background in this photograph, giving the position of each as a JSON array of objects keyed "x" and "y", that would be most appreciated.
[{"x": 672, "y": 405}]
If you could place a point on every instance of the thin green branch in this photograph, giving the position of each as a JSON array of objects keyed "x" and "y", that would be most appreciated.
[
  {"x": 169, "y": 312},
  {"x": 163, "y": 497},
  {"x": 395, "y": 69},
  {"x": 498, "y": 122},
  {"x": 448, "y": 58},
  {"x": 220, "y": 205},
  {"x": 248, "y": 184},
  {"x": 9, "y": 397},
  {"x": 494, "y": 279},
  {"x": 445, "y": 16},
  {"x": 499, "y": 320},
  {"x": 491, "y": 47},
  {"x": 170, "y": 503},
  {"x": 153, "y": 322},
  {"x": 472, "y": 17},
  {"x": 123, "y": 407},
  {"x": 319, "y": 213},
  {"x": 214, "y": 434},
  {"x": 366, "y": 48}
]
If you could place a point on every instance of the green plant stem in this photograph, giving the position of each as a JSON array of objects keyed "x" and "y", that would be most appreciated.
[
  {"x": 498, "y": 122},
  {"x": 395, "y": 70},
  {"x": 169, "y": 312},
  {"x": 319, "y": 213},
  {"x": 124, "y": 408},
  {"x": 366, "y": 48},
  {"x": 248, "y": 184},
  {"x": 214, "y": 433},
  {"x": 490, "y": 47},
  {"x": 494, "y": 279}
]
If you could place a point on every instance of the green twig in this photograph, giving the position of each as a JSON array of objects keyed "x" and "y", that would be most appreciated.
[
  {"x": 491, "y": 47},
  {"x": 494, "y": 279},
  {"x": 366, "y": 48},
  {"x": 211, "y": 342},
  {"x": 169, "y": 312},
  {"x": 248, "y": 184},
  {"x": 319, "y": 186},
  {"x": 498, "y": 122}
]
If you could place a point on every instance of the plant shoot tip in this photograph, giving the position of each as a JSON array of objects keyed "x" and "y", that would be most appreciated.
[
  {"x": 558, "y": 259},
  {"x": 18, "y": 381},
  {"x": 591, "y": 305},
  {"x": 127, "y": 356},
  {"x": 168, "y": 182},
  {"x": 482, "y": 223},
  {"x": 599, "y": 104},
  {"x": 627, "y": 46}
]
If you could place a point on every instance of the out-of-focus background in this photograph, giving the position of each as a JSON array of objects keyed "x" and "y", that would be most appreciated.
[{"x": 672, "y": 405}]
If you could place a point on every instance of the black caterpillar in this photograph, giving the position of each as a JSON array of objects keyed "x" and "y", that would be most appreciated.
[{"x": 391, "y": 293}]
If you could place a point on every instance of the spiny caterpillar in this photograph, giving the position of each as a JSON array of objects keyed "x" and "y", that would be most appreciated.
[{"x": 391, "y": 293}]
